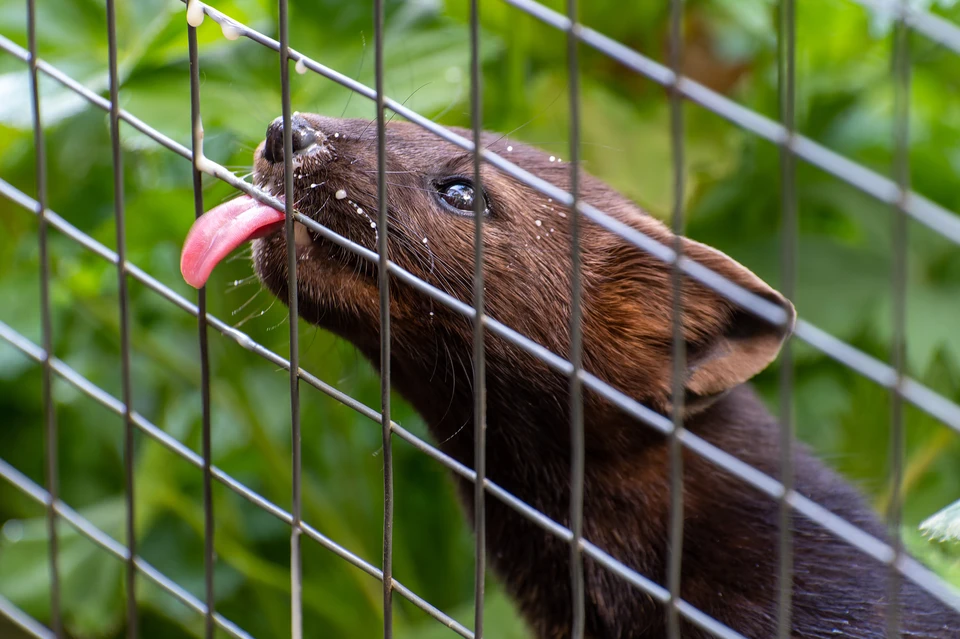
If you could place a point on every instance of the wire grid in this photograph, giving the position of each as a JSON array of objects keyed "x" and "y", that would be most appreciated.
[{"x": 895, "y": 192}]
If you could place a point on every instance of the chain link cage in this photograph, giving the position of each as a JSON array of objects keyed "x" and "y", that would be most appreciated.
[{"x": 895, "y": 192}]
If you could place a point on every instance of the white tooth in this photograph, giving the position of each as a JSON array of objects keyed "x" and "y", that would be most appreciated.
[{"x": 301, "y": 236}]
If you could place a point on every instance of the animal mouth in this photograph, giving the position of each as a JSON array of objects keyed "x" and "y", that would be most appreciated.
[{"x": 222, "y": 229}]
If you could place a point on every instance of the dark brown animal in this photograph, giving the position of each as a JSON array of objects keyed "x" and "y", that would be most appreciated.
[{"x": 730, "y": 546}]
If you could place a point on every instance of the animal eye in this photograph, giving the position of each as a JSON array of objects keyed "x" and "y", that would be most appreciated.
[{"x": 458, "y": 196}]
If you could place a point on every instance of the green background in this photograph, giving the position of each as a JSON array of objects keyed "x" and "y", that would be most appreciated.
[{"x": 844, "y": 101}]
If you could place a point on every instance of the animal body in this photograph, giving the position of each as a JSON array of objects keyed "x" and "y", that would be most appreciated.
[{"x": 731, "y": 530}]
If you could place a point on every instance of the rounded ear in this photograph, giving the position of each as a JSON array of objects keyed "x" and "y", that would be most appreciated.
[{"x": 727, "y": 344}]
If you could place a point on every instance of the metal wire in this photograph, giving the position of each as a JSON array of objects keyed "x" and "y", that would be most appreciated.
[
  {"x": 895, "y": 192},
  {"x": 207, "y": 445},
  {"x": 296, "y": 564},
  {"x": 724, "y": 461},
  {"x": 919, "y": 20},
  {"x": 928, "y": 213},
  {"x": 383, "y": 232},
  {"x": 901, "y": 173},
  {"x": 479, "y": 352},
  {"x": 89, "y": 531},
  {"x": 678, "y": 342},
  {"x": 577, "y": 444},
  {"x": 920, "y": 396},
  {"x": 49, "y": 410},
  {"x": 843, "y": 529},
  {"x": 124, "y": 309},
  {"x": 872, "y": 183},
  {"x": 24, "y": 621},
  {"x": 789, "y": 232},
  {"x": 85, "y": 386}
]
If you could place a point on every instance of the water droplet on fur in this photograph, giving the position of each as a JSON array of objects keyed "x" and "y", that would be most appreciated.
[
  {"x": 340, "y": 194},
  {"x": 538, "y": 223},
  {"x": 553, "y": 158},
  {"x": 509, "y": 148}
]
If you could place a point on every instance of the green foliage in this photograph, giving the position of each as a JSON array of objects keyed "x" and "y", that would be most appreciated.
[
  {"x": 732, "y": 201},
  {"x": 945, "y": 524}
]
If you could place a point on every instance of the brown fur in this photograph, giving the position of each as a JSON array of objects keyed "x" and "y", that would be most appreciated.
[{"x": 731, "y": 530}]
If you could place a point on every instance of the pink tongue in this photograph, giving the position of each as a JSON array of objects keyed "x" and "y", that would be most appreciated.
[{"x": 219, "y": 231}]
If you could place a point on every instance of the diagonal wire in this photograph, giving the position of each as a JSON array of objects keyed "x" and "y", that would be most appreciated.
[
  {"x": 841, "y": 351},
  {"x": 844, "y": 530},
  {"x": 930, "y": 214},
  {"x": 24, "y": 621},
  {"x": 873, "y": 184},
  {"x": 936, "y": 405},
  {"x": 82, "y": 525},
  {"x": 881, "y": 188},
  {"x": 836, "y": 525},
  {"x": 85, "y": 386},
  {"x": 932, "y": 26},
  {"x": 917, "y": 394},
  {"x": 92, "y": 391}
]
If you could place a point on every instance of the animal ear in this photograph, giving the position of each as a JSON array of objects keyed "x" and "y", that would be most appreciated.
[{"x": 727, "y": 344}]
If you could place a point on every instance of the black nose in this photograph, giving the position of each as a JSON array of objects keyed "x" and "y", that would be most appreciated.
[{"x": 303, "y": 137}]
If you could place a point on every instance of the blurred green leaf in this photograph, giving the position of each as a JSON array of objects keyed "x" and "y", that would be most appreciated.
[{"x": 943, "y": 525}]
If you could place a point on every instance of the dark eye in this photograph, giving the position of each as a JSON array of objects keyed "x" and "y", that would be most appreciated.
[{"x": 458, "y": 196}]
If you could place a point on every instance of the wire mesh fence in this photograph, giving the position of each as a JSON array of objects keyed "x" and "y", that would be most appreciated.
[{"x": 896, "y": 192}]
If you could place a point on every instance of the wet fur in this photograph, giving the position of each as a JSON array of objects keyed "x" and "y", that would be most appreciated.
[{"x": 731, "y": 531}]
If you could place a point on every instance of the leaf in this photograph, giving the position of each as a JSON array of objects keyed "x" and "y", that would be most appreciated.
[
  {"x": 501, "y": 620},
  {"x": 56, "y": 101},
  {"x": 944, "y": 525},
  {"x": 90, "y": 577}
]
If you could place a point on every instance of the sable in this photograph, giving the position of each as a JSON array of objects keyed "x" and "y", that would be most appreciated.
[{"x": 731, "y": 530}]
